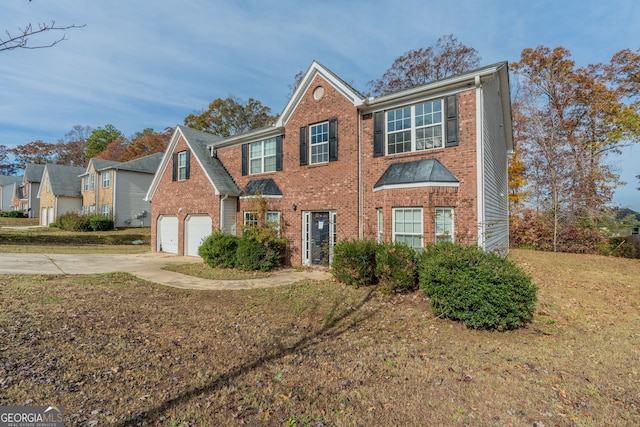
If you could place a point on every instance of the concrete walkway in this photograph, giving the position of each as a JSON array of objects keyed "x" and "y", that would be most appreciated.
[{"x": 146, "y": 266}]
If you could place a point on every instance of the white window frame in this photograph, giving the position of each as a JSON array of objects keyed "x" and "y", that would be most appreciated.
[
  {"x": 271, "y": 219},
  {"x": 85, "y": 183},
  {"x": 441, "y": 224},
  {"x": 92, "y": 181},
  {"x": 182, "y": 166},
  {"x": 319, "y": 143},
  {"x": 397, "y": 123},
  {"x": 266, "y": 160},
  {"x": 106, "y": 179},
  {"x": 380, "y": 213},
  {"x": 398, "y": 234},
  {"x": 105, "y": 210}
]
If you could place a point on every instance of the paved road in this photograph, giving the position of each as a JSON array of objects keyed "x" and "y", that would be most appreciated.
[{"x": 145, "y": 266}]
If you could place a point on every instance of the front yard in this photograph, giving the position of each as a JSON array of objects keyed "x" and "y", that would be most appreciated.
[{"x": 115, "y": 350}]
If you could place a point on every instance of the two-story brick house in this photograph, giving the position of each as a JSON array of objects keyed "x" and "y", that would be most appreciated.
[{"x": 421, "y": 165}]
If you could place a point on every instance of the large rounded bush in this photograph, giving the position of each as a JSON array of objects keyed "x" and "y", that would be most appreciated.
[
  {"x": 219, "y": 250},
  {"x": 354, "y": 262},
  {"x": 251, "y": 254},
  {"x": 396, "y": 268},
  {"x": 480, "y": 289}
]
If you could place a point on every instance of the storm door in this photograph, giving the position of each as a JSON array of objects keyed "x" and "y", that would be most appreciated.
[{"x": 318, "y": 237}]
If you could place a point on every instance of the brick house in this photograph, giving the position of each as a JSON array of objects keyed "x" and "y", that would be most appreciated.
[{"x": 424, "y": 164}]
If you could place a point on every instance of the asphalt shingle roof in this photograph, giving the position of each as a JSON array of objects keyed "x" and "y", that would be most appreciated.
[{"x": 65, "y": 180}]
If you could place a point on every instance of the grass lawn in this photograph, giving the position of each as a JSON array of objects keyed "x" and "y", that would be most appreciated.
[{"x": 115, "y": 350}]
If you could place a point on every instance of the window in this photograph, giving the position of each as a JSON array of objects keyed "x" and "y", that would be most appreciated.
[
  {"x": 272, "y": 219},
  {"x": 48, "y": 184},
  {"x": 380, "y": 226},
  {"x": 415, "y": 128},
  {"x": 106, "y": 179},
  {"x": 89, "y": 182},
  {"x": 105, "y": 210},
  {"x": 444, "y": 225},
  {"x": 182, "y": 166},
  {"x": 262, "y": 156},
  {"x": 319, "y": 143},
  {"x": 407, "y": 226}
]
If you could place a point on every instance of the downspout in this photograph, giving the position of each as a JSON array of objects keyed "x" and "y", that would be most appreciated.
[
  {"x": 115, "y": 198},
  {"x": 360, "y": 183},
  {"x": 222, "y": 212},
  {"x": 480, "y": 161}
]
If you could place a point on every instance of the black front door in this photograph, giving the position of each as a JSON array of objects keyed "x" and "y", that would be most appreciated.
[{"x": 320, "y": 238}]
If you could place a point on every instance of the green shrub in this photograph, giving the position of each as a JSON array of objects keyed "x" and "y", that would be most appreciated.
[
  {"x": 621, "y": 247},
  {"x": 15, "y": 214},
  {"x": 354, "y": 262},
  {"x": 73, "y": 222},
  {"x": 396, "y": 268},
  {"x": 251, "y": 254},
  {"x": 274, "y": 245},
  {"x": 100, "y": 223},
  {"x": 219, "y": 250},
  {"x": 482, "y": 290}
]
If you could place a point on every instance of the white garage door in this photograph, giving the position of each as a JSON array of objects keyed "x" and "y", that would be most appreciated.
[
  {"x": 51, "y": 218},
  {"x": 197, "y": 229},
  {"x": 168, "y": 234},
  {"x": 43, "y": 217}
]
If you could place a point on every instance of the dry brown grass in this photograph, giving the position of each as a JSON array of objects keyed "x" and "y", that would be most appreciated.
[{"x": 114, "y": 350}]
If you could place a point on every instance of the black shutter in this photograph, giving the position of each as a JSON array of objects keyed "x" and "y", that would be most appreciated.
[
  {"x": 378, "y": 134},
  {"x": 187, "y": 171},
  {"x": 451, "y": 106},
  {"x": 333, "y": 140},
  {"x": 279, "y": 153},
  {"x": 245, "y": 149},
  {"x": 174, "y": 172},
  {"x": 303, "y": 146}
]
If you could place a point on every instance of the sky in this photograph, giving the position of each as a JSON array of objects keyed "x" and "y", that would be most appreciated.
[{"x": 140, "y": 64}]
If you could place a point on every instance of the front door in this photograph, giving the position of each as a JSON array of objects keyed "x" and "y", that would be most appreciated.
[{"x": 318, "y": 237}]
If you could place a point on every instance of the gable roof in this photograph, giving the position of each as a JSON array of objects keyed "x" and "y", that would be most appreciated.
[
  {"x": 419, "y": 173},
  {"x": 99, "y": 164},
  {"x": 64, "y": 180},
  {"x": 33, "y": 172},
  {"x": 146, "y": 164},
  {"x": 6, "y": 180},
  {"x": 317, "y": 69},
  {"x": 198, "y": 142}
]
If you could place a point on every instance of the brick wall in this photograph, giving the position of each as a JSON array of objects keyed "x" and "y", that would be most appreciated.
[{"x": 195, "y": 195}]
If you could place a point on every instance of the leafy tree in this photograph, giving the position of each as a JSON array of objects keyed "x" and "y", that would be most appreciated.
[
  {"x": 7, "y": 167},
  {"x": 21, "y": 39},
  {"x": 231, "y": 116},
  {"x": 566, "y": 121},
  {"x": 71, "y": 148},
  {"x": 446, "y": 58},
  {"x": 34, "y": 152},
  {"x": 100, "y": 138},
  {"x": 145, "y": 143},
  {"x": 113, "y": 151}
]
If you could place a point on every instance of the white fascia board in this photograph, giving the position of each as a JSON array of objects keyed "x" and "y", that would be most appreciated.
[
  {"x": 260, "y": 197},
  {"x": 317, "y": 70},
  {"x": 251, "y": 136},
  {"x": 417, "y": 185}
]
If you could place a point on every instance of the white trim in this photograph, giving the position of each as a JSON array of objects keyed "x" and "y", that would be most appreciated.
[
  {"x": 417, "y": 185},
  {"x": 262, "y": 196},
  {"x": 480, "y": 161}
]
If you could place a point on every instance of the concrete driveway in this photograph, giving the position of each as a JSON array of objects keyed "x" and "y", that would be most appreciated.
[{"x": 145, "y": 266}]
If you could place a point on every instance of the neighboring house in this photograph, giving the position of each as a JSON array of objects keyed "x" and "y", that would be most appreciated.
[
  {"x": 25, "y": 197},
  {"x": 425, "y": 164},
  {"x": 8, "y": 186},
  {"x": 59, "y": 192},
  {"x": 117, "y": 189}
]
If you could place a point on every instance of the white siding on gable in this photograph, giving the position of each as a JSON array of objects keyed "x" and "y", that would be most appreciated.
[
  {"x": 229, "y": 212},
  {"x": 130, "y": 208},
  {"x": 496, "y": 205}
]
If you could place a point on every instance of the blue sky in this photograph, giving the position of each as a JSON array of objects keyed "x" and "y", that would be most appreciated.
[{"x": 149, "y": 63}]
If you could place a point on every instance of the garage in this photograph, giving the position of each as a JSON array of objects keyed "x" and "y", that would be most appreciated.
[
  {"x": 168, "y": 234},
  {"x": 197, "y": 229}
]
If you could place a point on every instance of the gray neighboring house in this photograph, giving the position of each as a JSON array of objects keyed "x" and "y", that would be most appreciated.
[
  {"x": 8, "y": 186},
  {"x": 25, "y": 198},
  {"x": 118, "y": 189},
  {"x": 59, "y": 192}
]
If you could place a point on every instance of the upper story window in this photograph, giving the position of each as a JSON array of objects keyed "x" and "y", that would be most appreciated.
[
  {"x": 415, "y": 128},
  {"x": 89, "y": 182},
  {"x": 262, "y": 156},
  {"x": 181, "y": 169},
  {"x": 425, "y": 126},
  {"x": 106, "y": 179},
  {"x": 319, "y": 141}
]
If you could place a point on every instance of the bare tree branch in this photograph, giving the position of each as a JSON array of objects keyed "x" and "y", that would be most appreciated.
[{"x": 22, "y": 39}]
